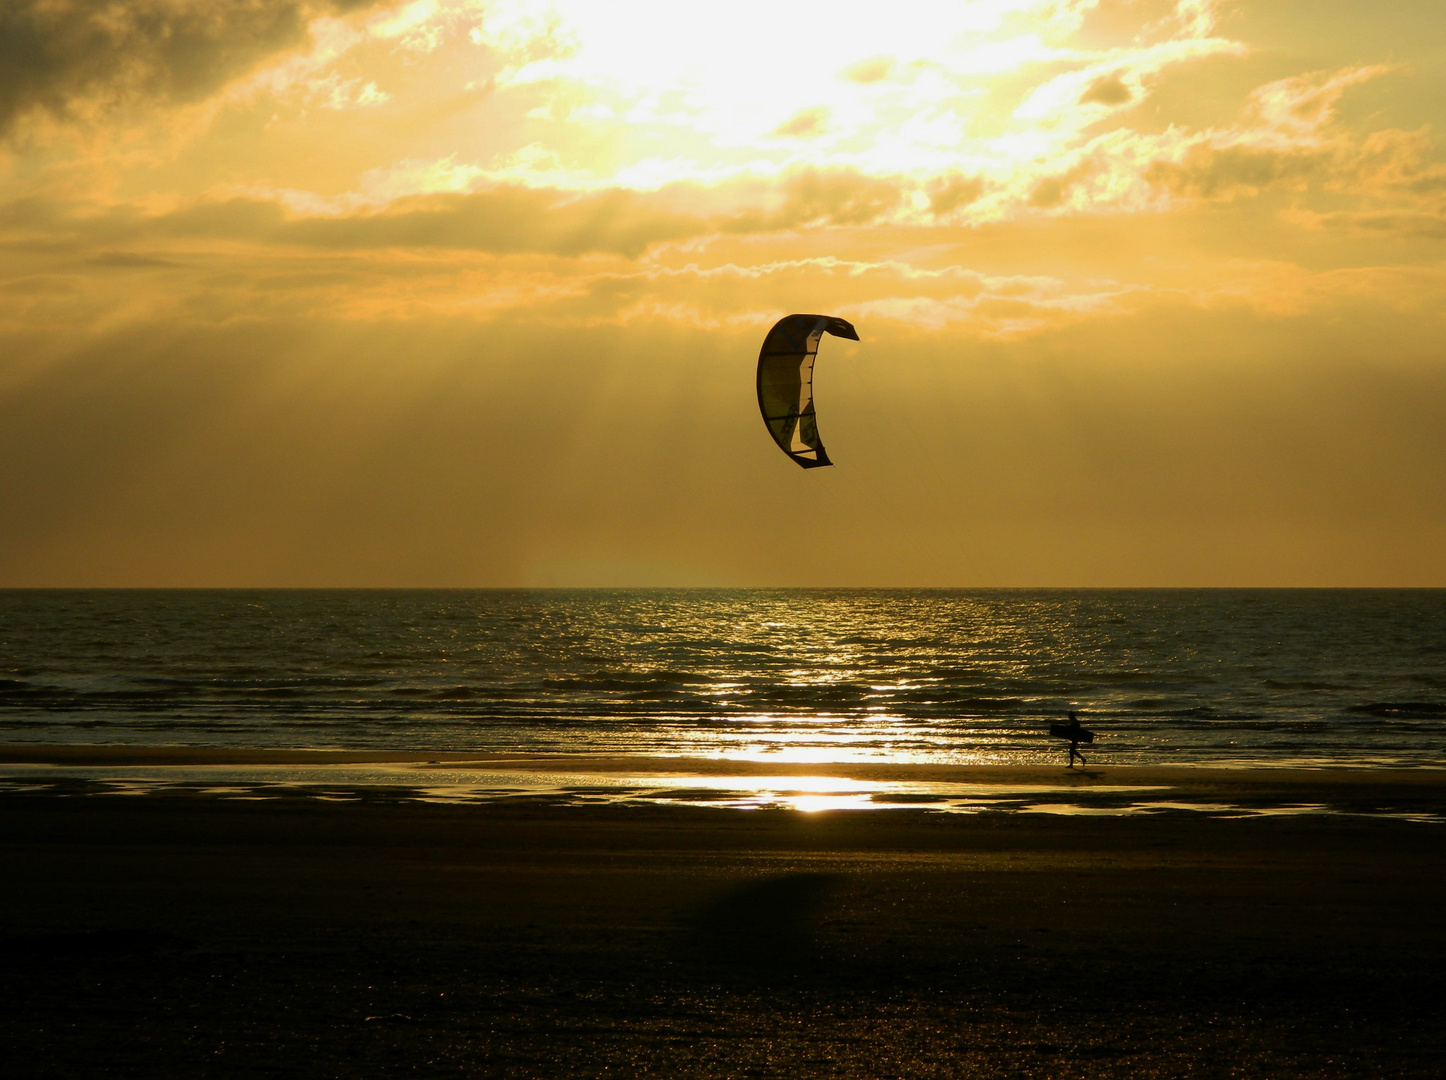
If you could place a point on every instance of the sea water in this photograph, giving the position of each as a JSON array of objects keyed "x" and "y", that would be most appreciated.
[{"x": 1256, "y": 677}]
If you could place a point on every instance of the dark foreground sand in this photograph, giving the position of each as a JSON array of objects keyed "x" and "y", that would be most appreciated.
[{"x": 181, "y": 935}]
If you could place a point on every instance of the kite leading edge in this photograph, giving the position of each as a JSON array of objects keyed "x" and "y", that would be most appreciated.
[{"x": 785, "y": 383}]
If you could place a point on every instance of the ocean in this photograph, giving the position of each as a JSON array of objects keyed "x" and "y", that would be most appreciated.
[{"x": 1199, "y": 677}]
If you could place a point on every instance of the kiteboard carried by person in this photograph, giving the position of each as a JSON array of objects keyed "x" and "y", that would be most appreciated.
[{"x": 1075, "y": 734}]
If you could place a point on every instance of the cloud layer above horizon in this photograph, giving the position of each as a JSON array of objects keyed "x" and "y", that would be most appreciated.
[{"x": 460, "y": 292}]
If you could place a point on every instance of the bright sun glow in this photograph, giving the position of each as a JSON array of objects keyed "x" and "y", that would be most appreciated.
[
  {"x": 467, "y": 292},
  {"x": 911, "y": 90}
]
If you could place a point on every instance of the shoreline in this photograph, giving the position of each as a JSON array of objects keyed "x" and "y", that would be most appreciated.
[
  {"x": 1417, "y": 794},
  {"x": 100, "y": 755}
]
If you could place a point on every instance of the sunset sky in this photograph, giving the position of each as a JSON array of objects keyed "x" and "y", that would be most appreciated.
[{"x": 460, "y": 292}]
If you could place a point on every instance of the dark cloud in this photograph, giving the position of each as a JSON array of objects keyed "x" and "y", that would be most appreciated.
[
  {"x": 66, "y": 57},
  {"x": 507, "y": 219},
  {"x": 1049, "y": 192},
  {"x": 1428, "y": 185},
  {"x": 241, "y": 219},
  {"x": 831, "y": 197},
  {"x": 1404, "y": 223},
  {"x": 1106, "y": 91},
  {"x": 1052, "y": 190},
  {"x": 948, "y": 194},
  {"x": 501, "y": 219},
  {"x": 504, "y": 219},
  {"x": 1210, "y": 173}
]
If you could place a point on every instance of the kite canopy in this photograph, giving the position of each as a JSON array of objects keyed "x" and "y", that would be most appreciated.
[{"x": 785, "y": 383}]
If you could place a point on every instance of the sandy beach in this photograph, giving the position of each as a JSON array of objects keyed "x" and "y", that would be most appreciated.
[{"x": 184, "y": 934}]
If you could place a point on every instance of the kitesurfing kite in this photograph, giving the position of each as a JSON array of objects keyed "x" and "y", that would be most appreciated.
[{"x": 785, "y": 383}]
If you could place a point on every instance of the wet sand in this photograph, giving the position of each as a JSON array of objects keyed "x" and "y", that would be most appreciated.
[
  {"x": 119, "y": 756},
  {"x": 469, "y": 777},
  {"x": 177, "y": 934}
]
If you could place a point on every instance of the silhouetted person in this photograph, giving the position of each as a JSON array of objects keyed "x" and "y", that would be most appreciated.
[{"x": 1076, "y": 735}]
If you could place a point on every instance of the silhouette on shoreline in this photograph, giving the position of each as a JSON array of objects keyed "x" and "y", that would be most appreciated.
[{"x": 1076, "y": 735}]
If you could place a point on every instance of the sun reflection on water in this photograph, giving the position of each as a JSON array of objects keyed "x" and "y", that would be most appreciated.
[
  {"x": 812, "y": 804},
  {"x": 462, "y": 784}
]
